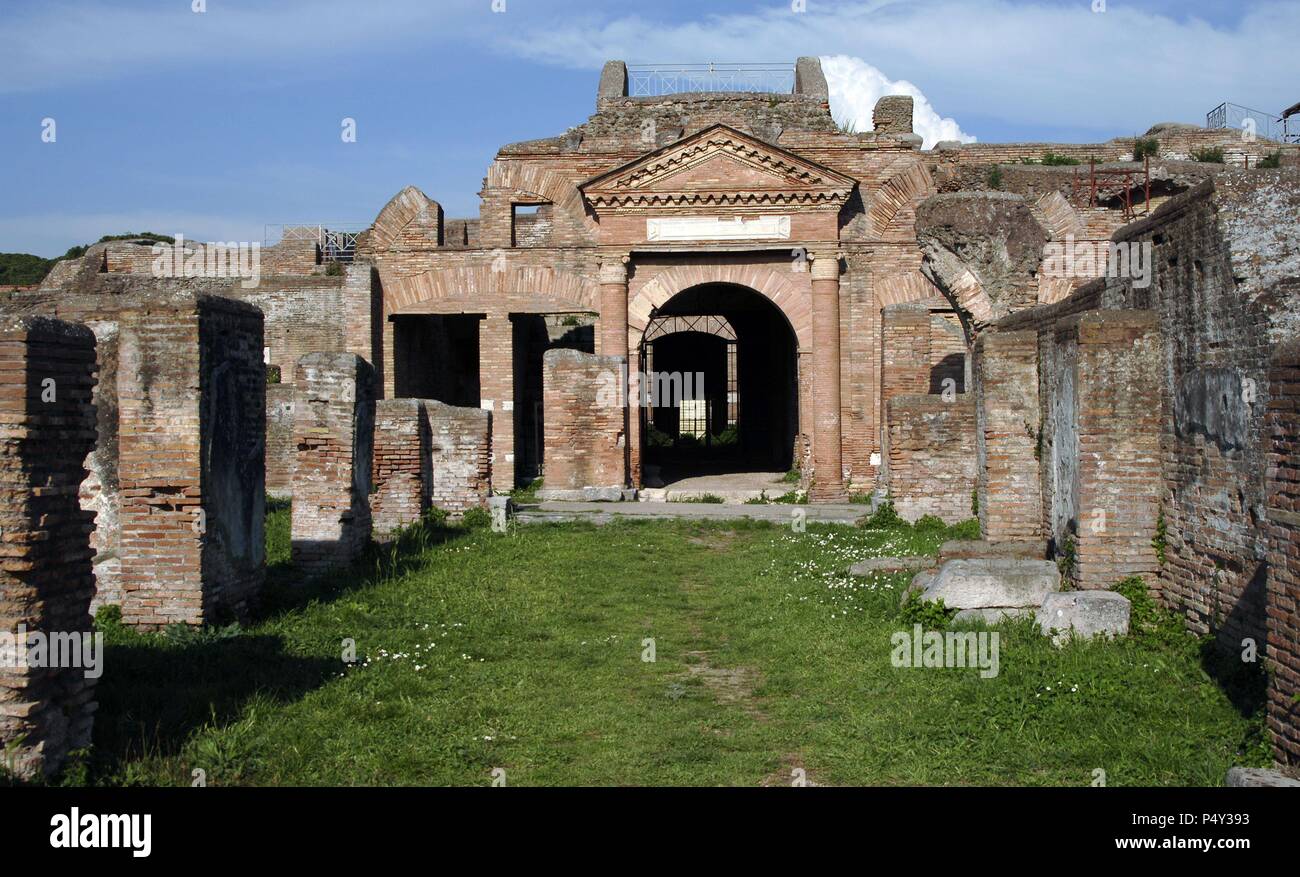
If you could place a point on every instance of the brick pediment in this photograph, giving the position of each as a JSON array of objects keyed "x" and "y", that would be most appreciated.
[{"x": 718, "y": 167}]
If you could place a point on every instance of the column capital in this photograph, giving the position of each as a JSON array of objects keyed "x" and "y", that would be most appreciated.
[
  {"x": 825, "y": 265},
  {"x": 613, "y": 269}
]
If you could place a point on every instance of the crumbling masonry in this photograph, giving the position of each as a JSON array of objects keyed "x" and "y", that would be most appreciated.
[{"x": 947, "y": 329}]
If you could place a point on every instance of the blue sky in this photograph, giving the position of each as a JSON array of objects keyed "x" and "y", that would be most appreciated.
[{"x": 219, "y": 123}]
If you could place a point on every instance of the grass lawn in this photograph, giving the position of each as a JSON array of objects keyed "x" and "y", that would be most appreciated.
[{"x": 525, "y": 652}]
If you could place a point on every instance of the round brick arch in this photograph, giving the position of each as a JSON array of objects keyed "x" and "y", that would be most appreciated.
[
  {"x": 790, "y": 291},
  {"x": 480, "y": 283}
]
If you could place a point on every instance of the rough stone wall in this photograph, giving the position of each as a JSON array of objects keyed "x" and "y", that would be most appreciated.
[
  {"x": 460, "y": 459},
  {"x": 100, "y": 492},
  {"x": 46, "y": 579},
  {"x": 310, "y": 314},
  {"x": 1007, "y": 431},
  {"x": 1281, "y": 445},
  {"x": 932, "y": 456},
  {"x": 1224, "y": 284},
  {"x": 983, "y": 250},
  {"x": 584, "y": 424},
  {"x": 192, "y": 420},
  {"x": 401, "y": 465},
  {"x": 893, "y": 114},
  {"x": 334, "y": 411}
]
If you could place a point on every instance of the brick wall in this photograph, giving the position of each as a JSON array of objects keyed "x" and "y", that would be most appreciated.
[
  {"x": 1117, "y": 398},
  {"x": 1008, "y": 425},
  {"x": 584, "y": 429},
  {"x": 461, "y": 467},
  {"x": 932, "y": 456},
  {"x": 47, "y": 372},
  {"x": 192, "y": 421},
  {"x": 1281, "y": 445},
  {"x": 334, "y": 411},
  {"x": 401, "y": 465}
]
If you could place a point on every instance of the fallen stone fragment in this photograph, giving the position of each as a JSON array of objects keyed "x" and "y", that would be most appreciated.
[
  {"x": 1257, "y": 777},
  {"x": 885, "y": 565},
  {"x": 968, "y": 549},
  {"x": 993, "y": 616},
  {"x": 994, "y": 583},
  {"x": 1083, "y": 614}
]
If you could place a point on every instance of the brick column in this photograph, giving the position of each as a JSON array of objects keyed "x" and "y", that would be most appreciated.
[
  {"x": 613, "y": 331},
  {"x": 333, "y": 414},
  {"x": 613, "y": 307},
  {"x": 497, "y": 394},
  {"x": 828, "y": 457},
  {"x": 47, "y": 374}
]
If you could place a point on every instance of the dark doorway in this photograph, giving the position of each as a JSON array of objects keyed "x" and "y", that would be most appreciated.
[
  {"x": 743, "y": 368},
  {"x": 436, "y": 357}
]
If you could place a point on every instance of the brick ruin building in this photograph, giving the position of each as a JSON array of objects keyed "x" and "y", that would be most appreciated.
[{"x": 930, "y": 326}]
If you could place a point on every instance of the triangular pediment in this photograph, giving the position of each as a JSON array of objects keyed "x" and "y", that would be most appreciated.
[{"x": 719, "y": 166}]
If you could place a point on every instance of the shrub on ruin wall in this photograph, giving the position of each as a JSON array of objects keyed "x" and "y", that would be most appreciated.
[
  {"x": 1210, "y": 155},
  {"x": 1145, "y": 147}
]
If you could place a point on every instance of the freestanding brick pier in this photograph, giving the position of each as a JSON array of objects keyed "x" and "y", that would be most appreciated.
[
  {"x": 401, "y": 465},
  {"x": 1007, "y": 431},
  {"x": 1101, "y": 446},
  {"x": 334, "y": 415},
  {"x": 192, "y": 424},
  {"x": 47, "y": 428},
  {"x": 460, "y": 454},
  {"x": 584, "y": 425},
  {"x": 932, "y": 455}
]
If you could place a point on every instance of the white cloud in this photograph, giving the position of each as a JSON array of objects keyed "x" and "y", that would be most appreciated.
[
  {"x": 855, "y": 86},
  {"x": 1031, "y": 64}
]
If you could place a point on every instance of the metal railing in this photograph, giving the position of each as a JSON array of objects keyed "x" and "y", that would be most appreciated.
[
  {"x": 655, "y": 80},
  {"x": 1266, "y": 126},
  {"x": 337, "y": 241}
]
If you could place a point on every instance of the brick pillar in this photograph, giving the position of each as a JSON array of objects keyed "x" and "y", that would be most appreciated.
[
  {"x": 1118, "y": 413},
  {"x": 1281, "y": 440},
  {"x": 401, "y": 465},
  {"x": 497, "y": 394},
  {"x": 1007, "y": 429},
  {"x": 828, "y": 458},
  {"x": 191, "y": 387},
  {"x": 333, "y": 414},
  {"x": 47, "y": 418},
  {"x": 459, "y": 440},
  {"x": 584, "y": 422},
  {"x": 613, "y": 332},
  {"x": 613, "y": 307}
]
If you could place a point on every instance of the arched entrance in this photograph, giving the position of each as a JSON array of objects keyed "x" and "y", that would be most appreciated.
[{"x": 722, "y": 391}]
